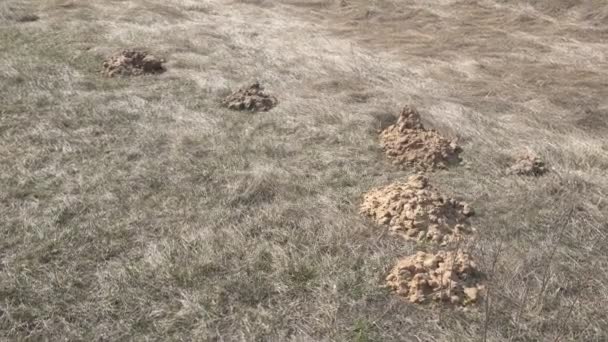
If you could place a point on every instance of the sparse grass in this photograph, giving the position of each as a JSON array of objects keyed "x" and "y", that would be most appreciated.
[{"x": 140, "y": 209}]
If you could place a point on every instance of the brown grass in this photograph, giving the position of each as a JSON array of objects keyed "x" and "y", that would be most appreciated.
[{"x": 140, "y": 209}]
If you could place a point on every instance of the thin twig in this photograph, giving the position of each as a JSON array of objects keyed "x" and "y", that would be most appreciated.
[
  {"x": 566, "y": 320},
  {"x": 489, "y": 294},
  {"x": 521, "y": 309},
  {"x": 545, "y": 278}
]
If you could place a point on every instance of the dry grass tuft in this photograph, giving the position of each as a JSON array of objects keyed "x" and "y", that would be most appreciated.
[{"x": 27, "y": 18}]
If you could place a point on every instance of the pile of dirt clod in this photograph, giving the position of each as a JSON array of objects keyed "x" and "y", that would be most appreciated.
[
  {"x": 449, "y": 277},
  {"x": 132, "y": 63},
  {"x": 252, "y": 98},
  {"x": 408, "y": 143},
  {"x": 416, "y": 211},
  {"x": 528, "y": 165}
]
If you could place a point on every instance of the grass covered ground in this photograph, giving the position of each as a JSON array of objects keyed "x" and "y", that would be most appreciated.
[{"x": 140, "y": 209}]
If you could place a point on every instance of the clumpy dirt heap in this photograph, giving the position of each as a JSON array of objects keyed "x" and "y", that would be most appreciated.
[
  {"x": 449, "y": 277},
  {"x": 251, "y": 98},
  {"x": 132, "y": 63},
  {"x": 416, "y": 211},
  {"x": 528, "y": 165},
  {"x": 408, "y": 143}
]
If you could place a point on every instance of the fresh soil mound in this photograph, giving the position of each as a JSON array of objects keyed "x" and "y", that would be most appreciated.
[
  {"x": 252, "y": 98},
  {"x": 408, "y": 143},
  {"x": 448, "y": 277},
  {"x": 418, "y": 212},
  {"x": 528, "y": 165},
  {"x": 132, "y": 63}
]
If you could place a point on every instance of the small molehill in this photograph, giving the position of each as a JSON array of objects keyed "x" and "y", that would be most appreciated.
[
  {"x": 416, "y": 211},
  {"x": 252, "y": 98},
  {"x": 446, "y": 277},
  {"x": 408, "y": 143},
  {"x": 528, "y": 165},
  {"x": 132, "y": 63}
]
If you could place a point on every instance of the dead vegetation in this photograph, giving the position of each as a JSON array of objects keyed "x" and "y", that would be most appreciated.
[
  {"x": 27, "y": 18},
  {"x": 131, "y": 210},
  {"x": 18, "y": 12}
]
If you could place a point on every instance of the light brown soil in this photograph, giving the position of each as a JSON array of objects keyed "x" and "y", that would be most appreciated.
[
  {"x": 408, "y": 143},
  {"x": 252, "y": 98},
  {"x": 132, "y": 63},
  {"x": 528, "y": 165},
  {"x": 448, "y": 277},
  {"x": 416, "y": 211}
]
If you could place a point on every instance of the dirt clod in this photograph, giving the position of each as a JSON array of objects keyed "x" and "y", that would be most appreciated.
[
  {"x": 408, "y": 143},
  {"x": 416, "y": 211},
  {"x": 528, "y": 165},
  {"x": 132, "y": 63},
  {"x": 252, "y": 98},
  {"x": 448, "y": 277}
]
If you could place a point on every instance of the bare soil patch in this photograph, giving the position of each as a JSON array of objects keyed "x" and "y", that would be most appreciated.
[
  {"x": 132, "y": 63},
  {"x": 528, "y": 165},
  {"x": 416, "y": 211},
  {"x": 251, "y": 98},
  {"x": 409, "y": 144},
  {"x": 447, "y": 277}
]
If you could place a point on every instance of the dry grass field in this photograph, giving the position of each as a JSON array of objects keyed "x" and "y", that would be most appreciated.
[{"x": 139, "y": 209}]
